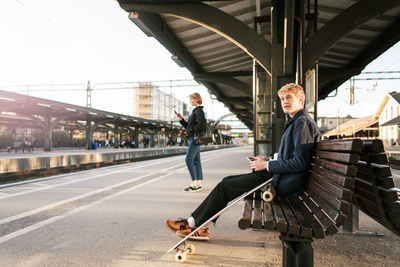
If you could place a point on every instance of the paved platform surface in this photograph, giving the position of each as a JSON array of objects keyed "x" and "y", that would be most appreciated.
[{"x": 114, "y": 216}]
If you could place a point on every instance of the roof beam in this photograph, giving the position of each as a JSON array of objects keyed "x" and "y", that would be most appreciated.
[
  {"x": 216, "y": 20},
  {"x": 230, "y": 81},
  {"x": 341, "y": 25},
  {"x": 242, "y": 101},
  {"x": 328, "y": 74},
  {"x": 224, "y": 74}
]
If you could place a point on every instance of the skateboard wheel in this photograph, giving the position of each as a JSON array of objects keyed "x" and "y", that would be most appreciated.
[
  {"x": 268, "y": 196},
  {"x": 191, "y": 248},
  {"x": 180, "y": 257}
]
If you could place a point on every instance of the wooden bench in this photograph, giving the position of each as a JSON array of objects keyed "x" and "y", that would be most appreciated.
[
  {"x": 316, "y": 213},
  {"x": 375, "y": 191}
]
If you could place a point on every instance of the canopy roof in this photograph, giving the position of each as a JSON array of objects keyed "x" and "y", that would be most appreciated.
[{"x": 350, "y": 35}]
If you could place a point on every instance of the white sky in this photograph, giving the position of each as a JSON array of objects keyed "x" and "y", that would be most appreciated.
[{"x": 73, "y": 41}]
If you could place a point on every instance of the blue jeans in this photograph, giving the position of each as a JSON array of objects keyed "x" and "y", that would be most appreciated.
[{"x": 193, "y": 161}]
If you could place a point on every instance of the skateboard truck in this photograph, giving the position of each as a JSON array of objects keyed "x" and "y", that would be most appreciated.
[{"x": 182, "y": 251}]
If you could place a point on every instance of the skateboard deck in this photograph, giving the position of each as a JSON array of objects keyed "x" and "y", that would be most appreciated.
[{"x": 183, "y": 250}]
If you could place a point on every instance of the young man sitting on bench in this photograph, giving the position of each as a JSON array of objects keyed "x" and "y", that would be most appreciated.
[{"x": 289, "y": 170}]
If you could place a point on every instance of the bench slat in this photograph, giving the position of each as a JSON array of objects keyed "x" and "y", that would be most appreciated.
[
  {"x": 393, "y": 207},
  {"x": 321, "y": 193},
  {"x": 379, "y": 158},
  {"x": 305, "y": 227},
  {"x": 341, "y": 157},
  {"x": 293, "y": 225},
  {"x": 373, "y": 146},
  {"x": 245, "y": 218},
  {"x": 326, "y": 222},
  {"x": 280, "y": 220},
  {"x": 368, "y": 176},
  {"x": 338, "y": 217},
  {"x": 347, "y": 170},
  {"x": 376, "y": 169},
  {"x": 268, "y": 217},
  {"x": 354, "y": 145},
  {"x": 337, "y": 191},
  {"x": 391, "y": 194},
  {"x": 318, "y": 230},
  {"x": 334, "y": 177},
  {"x": 368, "y": 206},
  {"x": 257, "y": 213}
]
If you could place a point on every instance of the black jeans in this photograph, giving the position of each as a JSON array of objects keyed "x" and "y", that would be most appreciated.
[{"x": 227, "y": 190}]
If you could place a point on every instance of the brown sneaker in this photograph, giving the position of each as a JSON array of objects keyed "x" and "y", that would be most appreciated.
[
  {"x": 202, "y": 234},
  {"x": 180, "y": 224}
]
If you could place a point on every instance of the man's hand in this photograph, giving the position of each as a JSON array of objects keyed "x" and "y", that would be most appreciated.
[{"x": 259, "y": 163}]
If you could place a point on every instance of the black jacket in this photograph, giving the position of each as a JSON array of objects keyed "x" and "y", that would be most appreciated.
[
  {"x": 196, "y": 123},
  {"x": 290, "y": 170}
]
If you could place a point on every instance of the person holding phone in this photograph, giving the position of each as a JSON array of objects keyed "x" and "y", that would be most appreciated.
[
  {"x": 195, "y": 125},
  {"x": 289, "y": 168}
]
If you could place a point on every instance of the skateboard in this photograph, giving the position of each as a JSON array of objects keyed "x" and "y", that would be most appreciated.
[{"x": 183, "y": 249}]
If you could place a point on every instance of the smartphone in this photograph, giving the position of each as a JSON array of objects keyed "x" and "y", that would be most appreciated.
[{"x": 250, "y": 158}]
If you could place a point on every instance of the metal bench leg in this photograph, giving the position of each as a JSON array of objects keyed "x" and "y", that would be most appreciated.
[
  {"x": 351, "y": 226},
  {"x": 297, "y": 252}
]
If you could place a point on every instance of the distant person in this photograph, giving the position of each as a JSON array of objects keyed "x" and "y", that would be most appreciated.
[
  {"x": 107, "y": 143},
  {"x": 34, "y": 144},
  {"x": 289, "y": 169},
  {"x": 195, "y": 125}
]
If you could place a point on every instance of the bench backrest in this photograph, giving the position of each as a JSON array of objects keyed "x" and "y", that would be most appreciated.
[
  {"x": 375, "y": 191},
  {"x": 331, "y": 183}
]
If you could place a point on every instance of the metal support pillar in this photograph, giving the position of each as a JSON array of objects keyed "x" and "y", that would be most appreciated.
[
  {"x": 89, "y": 134},
  {"x": 48, "y": 139},
  {"x": 297, "y": 252},
  {"x": 48, "y": 134},
  {"x": 71, "y": 137},
  {"x": 352, "y": 223},
  {"x": 268, "y": 116},
  {"x": 351, "y": 226}
]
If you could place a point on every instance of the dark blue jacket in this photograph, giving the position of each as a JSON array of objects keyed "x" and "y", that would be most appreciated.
[{"x": 290, "y": 170}]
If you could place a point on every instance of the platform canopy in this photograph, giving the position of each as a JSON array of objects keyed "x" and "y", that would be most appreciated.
[
  {"x": 217, "y": 42},
  {"x": 28, "y": 111}
]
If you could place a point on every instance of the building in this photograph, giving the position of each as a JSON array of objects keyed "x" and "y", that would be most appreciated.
[
  {"x": 329, "y": 123},
  {"x": 152, "y": 103},
  {"x": 389, "y": 119},
  {"x": 365, "y": 128},
  {"x": 383, "y": 124}
]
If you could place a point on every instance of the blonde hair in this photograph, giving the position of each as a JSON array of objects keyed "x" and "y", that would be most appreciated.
[
  {"x": 197, "y": 97},
  {"x": 296, "y": 89}
]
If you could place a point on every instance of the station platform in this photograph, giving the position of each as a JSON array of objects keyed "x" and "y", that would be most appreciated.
[
  {"x": 114, "y": 216},
  {"x": 66, "y": 158}
]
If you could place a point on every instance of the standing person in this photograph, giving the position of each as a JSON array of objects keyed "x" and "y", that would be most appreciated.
[
  {"x": 195, "y": 125},
  {"x": 289, "y": 170}
]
